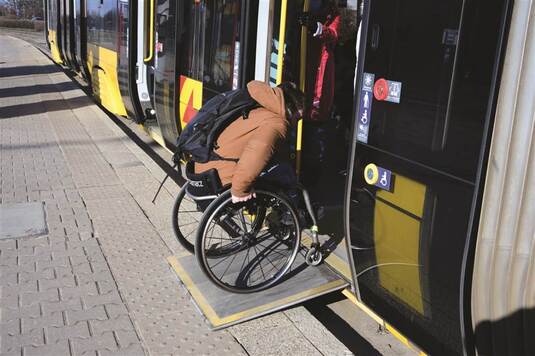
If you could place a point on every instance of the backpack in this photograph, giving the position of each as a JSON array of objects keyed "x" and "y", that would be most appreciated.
[{"x": 198, "y": 139}]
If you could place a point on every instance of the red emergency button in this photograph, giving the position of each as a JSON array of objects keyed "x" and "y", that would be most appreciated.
[{"x": 380, "y": 89}]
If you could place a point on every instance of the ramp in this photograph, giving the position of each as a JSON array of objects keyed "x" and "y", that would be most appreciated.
[{"x": 223, "y": 309}]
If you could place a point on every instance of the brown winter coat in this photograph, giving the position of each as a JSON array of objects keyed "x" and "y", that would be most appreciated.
[{"x": 252, "y": 141}]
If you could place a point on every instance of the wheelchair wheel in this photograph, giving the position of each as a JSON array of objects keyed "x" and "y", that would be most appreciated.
[
  {"x": 248, "y": 247},
  {"x": 186, "y": 218}
]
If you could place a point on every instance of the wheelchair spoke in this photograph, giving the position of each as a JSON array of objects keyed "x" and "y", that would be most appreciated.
[
  {"x": 275, "y": 250},
  {"x": 246, "y": 258},
  {"x": 225, "y": 271},
  {"x": 260, "y": 265}
]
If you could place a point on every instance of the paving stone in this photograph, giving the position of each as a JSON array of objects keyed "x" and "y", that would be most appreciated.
[
  {"x": 9, "y": 313},
  {"x": 28, "y": 298},
  {"x": 74, "y": 304},
  {"x": 49, "y": 320},
  {"x": 132, "y": 350},
  {"x": 126, "y": 337},
  {"x": 122, "y": 322},
  {"x": 88, "y": 289},
  {"x": 101, "y": 299},
  {"x": 55, "y": 334},
  {"x": 104, "y": 342},
  {"x": 60, "y": 348},
  {"x": 96, "y": 313},
  {"x": 10, "y": 343},
  {"x": 46, "y": 284}
]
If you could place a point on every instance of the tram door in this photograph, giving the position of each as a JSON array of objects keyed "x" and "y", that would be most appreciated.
[
  {"x": 321, "y": 145},
  {"x": 69, "y": 38},
  {"x": 164, "y": 62},
  {"x": 80, "y": 33},
  {"x": 127, "y": 58},
  {"x": 54, "y": 29},
  {"x": 426, "y": 70}
]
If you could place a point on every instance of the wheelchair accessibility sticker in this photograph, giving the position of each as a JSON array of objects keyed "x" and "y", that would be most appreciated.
[
  {"x": 378, "y": 176},
  {"x": 365, "y": 108}
]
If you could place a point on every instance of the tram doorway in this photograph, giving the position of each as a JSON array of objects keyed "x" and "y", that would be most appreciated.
[
  {"x": 324, "y": 66},
  {"x": 206, "y": 71}
]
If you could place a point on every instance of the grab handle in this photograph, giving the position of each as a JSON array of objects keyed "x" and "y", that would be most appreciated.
[{"x": 151, "y": 33}]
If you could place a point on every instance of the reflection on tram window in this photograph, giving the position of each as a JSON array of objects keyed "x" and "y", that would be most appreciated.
[
  {"x": 211, "y": 52},
  {"x": 52, "y": 9},
  {"x": 102, "y": 23},
  {"x": 222, "y": 51},
  {"x": 419, "y": 52}
]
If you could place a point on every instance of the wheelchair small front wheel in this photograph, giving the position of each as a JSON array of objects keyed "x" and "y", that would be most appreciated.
[
  {"x": 238, "y": 248},
  {"x": 313, "y": 256},
  {"x": 185, "y": 219}
]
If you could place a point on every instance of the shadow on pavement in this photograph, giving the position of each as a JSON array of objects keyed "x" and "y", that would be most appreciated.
[
  {"x": 35, "y": 89},
  {"x": 42, "y": 107},
  {"x": 343, "y": 331},
  {"x": 27, "y": 70}
]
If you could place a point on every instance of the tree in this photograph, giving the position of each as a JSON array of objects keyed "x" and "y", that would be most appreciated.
[{"x": 25, "y": 8}]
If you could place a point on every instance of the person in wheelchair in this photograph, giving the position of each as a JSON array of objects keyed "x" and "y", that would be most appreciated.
[
  {"x": 255, "y": 140},
  {"x": 245, "y": 245}
]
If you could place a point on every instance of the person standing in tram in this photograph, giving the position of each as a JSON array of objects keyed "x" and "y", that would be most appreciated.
[{"x": 322, "y": 21}]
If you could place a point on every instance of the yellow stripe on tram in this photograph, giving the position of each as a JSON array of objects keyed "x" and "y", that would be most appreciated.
[
  {"x": 282, "y": 41},
  {"x": 302, "y": 84},
  {"x": 349, "y": 295}
]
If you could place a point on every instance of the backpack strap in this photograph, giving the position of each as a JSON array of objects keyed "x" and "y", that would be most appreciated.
[{"x": 216, "y": 157}]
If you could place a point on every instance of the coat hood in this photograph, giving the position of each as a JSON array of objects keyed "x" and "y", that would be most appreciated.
[{"x": 270, "y": 98}]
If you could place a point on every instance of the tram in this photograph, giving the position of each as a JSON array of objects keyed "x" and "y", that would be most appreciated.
[{"x": 423, "y": 166}]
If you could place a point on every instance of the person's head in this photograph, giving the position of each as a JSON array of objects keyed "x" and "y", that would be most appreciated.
[{"x": 294, "y": 100}]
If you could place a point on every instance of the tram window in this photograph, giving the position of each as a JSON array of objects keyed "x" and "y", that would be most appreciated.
[
  {"x": 211, "y": 51},
  {"x": 108, "y": 34},
  {"x": 52, "y": 21},
  {"x": 222, "y": 50},
  {"x": 102, "y": 23},
  {"x": 418, "y": 51},
  {"x": 93, "y": 20}
]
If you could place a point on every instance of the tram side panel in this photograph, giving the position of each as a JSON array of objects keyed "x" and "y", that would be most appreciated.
[
  {"x": 163, "y": 56},
  {"x": 102, "y": 54},
  {"x": 424, "y": 89},
  {"x": 54, "y": 30},
  {"x": 503, "y": 280}
]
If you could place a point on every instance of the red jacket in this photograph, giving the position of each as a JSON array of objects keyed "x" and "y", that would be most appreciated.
[{"x": 320, "y": 59}]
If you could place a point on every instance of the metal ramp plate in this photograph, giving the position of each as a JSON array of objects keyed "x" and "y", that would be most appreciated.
[{"x": 223, "y": 309}]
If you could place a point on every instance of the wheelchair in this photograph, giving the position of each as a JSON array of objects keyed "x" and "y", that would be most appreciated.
[{"x": 244, "y": 247}]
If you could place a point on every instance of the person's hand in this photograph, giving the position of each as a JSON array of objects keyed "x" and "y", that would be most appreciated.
[
  {"x": 319, "y": 29},
  {"x": 236, "y": 199}
]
